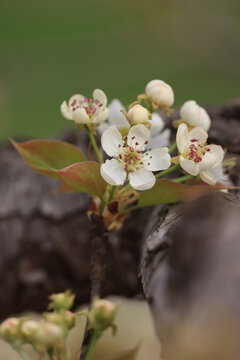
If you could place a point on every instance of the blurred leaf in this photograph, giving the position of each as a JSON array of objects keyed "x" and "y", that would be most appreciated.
[
  {"x": 127, "y": 354},
  {"x": 84, "y": 177},
  {"x": 168, "y": 192},
  {"x": 48, "y": 156}
]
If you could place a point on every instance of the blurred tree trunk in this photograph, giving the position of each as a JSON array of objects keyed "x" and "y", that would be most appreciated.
[{"x": 44, "y": 235}]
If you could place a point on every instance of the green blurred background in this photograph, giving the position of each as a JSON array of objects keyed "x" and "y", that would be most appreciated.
[{"x": 51, "y": 49}]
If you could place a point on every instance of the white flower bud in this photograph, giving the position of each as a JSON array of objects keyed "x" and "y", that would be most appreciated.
[
  {"x": 195, "y": 115},
  {"x": 138, "y": 115},
  {"x": 29, "y": 327},
  {"x": 9, "y": 329},
  {"x": 102, "y": 313},
  {"x": 160, "y": 93},
  {"x": 48, "y": 334}
]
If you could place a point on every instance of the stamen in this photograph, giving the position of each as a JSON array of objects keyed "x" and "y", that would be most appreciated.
[
  {"x": 137, "y": 157},
  {"x": 133, "y": 137},
  {"x": 131, "y": 161},
  {"x": 131, "y": 149},
  {"x": 136, "y": 143},
  {"x": 126, "y": 166},
  {"x": 146, "y": 142},
  {"x": 127, "y": 154},
  {"x": 125, "y": 138},
  {"x": 120, "y": 156},
  {"x": 194, "y": 140}
]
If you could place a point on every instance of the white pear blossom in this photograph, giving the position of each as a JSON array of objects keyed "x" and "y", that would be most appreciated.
[
  {"x": 160, "y": 93},
  {"x": 129, "y": 158},
  {"x": 158, "y": 136},
  {"x": 85, "y": 110},
  {"x": 196, "y": 157},
  {"x": 195, "y": 115}
]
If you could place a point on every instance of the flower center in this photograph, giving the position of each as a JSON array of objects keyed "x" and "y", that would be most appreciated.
[
  {"x": 196, "y": 151},
  {"x": 90, "y": 105},
  {"x": 130, "y": 157}
]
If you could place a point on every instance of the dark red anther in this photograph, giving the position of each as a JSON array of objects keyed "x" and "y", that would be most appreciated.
[
  {"x": 137, "y": 157},
  {"x": 74, "y": 102},
  {"x": 74, "y": 109},
  {"x": 131, "y": 149},
  {"x": 194, "y": 140},
  {"x": 126, "y": 166},
  {"x": 125, "y": 138},
  {"x": 120, "y": 156},
  {"x": 127, "y": 154},
  {"x": 146, "y": 142},
  {"x": 131, "y": 161},
  {"x": 125, "y": 160},
  {"x": 138, "y": 151},
  {"x": 97, "y": 101},
  {"x": 136, "y": 143},
  {"x": 133, "y": 137}
]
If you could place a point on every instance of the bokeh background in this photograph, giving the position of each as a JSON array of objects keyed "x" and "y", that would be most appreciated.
[{"x": 51, "y": 49}]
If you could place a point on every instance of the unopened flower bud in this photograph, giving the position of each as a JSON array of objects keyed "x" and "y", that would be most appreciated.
[
  {"x": 138, "y": 115},
  {"x": 195, "y": 115},
  {"x": 102, "y": 314},
  {"x": 48, "y": 334},
  {"x": 62, "y": 301},
  {"x": 160, "y": 93},
  {"x": 9, "y": 329},
  {"x": 70, "y": 319},
  {"x": 28, "y": 328},
  {"x": 53, "y": 317}
]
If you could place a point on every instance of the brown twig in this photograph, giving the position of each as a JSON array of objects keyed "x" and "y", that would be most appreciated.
[{"x": 99, "y": 237}]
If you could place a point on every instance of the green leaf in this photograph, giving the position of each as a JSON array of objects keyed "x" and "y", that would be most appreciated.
[
  {"x": 168, "y": 192},
  {"x": 84, "y": 177},
  {"x": 46, "y": 157}
]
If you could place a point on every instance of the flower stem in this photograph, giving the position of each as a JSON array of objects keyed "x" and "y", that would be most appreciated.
[
  {"x": 94, "y": 144},
  {"x": 165, "y": 172},
  {"x": 184, "y": 178},
  {"x": 111, "y": 192},
  {"x": 172, "y": 148},
  {"x": 91, "y": 346}
]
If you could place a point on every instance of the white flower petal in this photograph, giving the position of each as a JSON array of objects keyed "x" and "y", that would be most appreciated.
[
  {"x": 158, "y": 159},
  {"x": 208, "y": 177},
  {"x": 199, "y": 134},
  {"x": 212, "y": 158},
  {"x": 157, "y": 123},
  {"x": 100, "y": 96},
  {"x": 102, "y": 115},
  {"x": 138, "y": 134},
  {"x": 78, "y": 98},
  {"x": 218, "y": 151},
  {"x": 66, "y": 112},
  {"x": 182, "y": 138},
  {"x": 116, "y": 117},
  {"x": 103, "y": 127},
  {"x": 110, "y": 140},
  {"x": 195, "y": 115},
  {"x": 159, "y": 140},
  {"x": 142, "y": 179},
  {"x": 113, "y": 173},
  {"x": 80, "y": 116},
  {"x": 189, "y": 166}
]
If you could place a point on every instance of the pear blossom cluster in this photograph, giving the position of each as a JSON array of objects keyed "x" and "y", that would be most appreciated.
[{"x": 137, "y": 142}]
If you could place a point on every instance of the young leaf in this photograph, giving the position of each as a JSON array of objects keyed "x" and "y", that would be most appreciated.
[
  {"x": 84, "y": 177},
  {"x": 168, "y": 192},
  {"x": 48, "y": 156}
]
